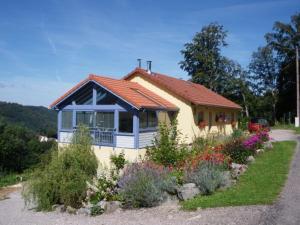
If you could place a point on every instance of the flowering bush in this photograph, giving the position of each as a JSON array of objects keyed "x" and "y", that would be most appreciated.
[
  {"x": 256, "y": 141},
  {"x": 144, "y": 184},
  {"x": 211, "y": 154},
  {"x": 237, "y": 151}
]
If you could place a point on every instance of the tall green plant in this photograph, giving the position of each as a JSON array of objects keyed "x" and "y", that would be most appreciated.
[
  {"x": 167, "y": 149},
  {"x": 63, "y": 180}
]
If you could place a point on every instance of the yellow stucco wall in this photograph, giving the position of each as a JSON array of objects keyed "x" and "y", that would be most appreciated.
[
  {"x": 103, "y": 153},
  {"x": 186, "y": 117}
]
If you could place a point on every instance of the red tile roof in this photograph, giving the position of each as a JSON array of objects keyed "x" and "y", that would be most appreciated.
[
  {"x": 194, "y": 93},
  {"x": 131, "y": 92}
]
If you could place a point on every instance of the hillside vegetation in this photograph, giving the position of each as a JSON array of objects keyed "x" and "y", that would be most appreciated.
[{"x": 39, "y": 119}]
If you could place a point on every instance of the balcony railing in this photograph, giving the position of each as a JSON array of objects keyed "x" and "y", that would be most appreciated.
[{"x": 102, "y": 136}]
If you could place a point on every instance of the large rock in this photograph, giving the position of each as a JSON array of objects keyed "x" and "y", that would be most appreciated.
[
  {"x": 109, "y": 207},
  {"x": 187, "y": 191},
  {"x": 250, "y": 159},
  {"x": 268, "y": 145},
  {"x": 259, "y": 151},
  {"x": 170, "y": 199},
  {"x": 84, "y": 211},
  {"x": 112, "y": 206},
  {"x": 238, "y": 169}
]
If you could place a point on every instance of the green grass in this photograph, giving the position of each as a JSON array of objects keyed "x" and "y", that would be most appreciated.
[
  {"x": 287, "y": 127},
  {"x": 260, "y": 184},
  {"x": 9, "y": 179}
]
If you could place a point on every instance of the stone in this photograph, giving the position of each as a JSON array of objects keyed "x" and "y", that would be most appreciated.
[
  {"x": 84, "y": 211},
  {"x": 170, "y": 199},
  {"x": 102, "y": 204},
  {"x": 55, "y": 206},
  {"x": 250, "y": 159},
  {"x": 187, "y": 191},
  {"x": 268, "y": 145},
  {"x": 59, "y": 208},
  {"x": 237, "y": 170},
  {"x": 258, "y": 151},
  {"x": 71, "y": 210},
  {"x": 112, "y": 206}
]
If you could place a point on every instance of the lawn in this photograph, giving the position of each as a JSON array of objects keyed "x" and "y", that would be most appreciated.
[{"x": 260, "y": 184}]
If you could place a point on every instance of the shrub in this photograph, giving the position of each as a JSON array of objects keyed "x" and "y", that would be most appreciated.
[
  {"x": 166, "y": 149},
  {"x": 237, "y": 151},
  {"x": 63, "y": 180},
  {"x": 107, "y": 190},
  {"x": 208, "y": 177},
  {"x": 145, "y": 184},
  {"x": 96, "y": 210},
  {"x": 237, "y": 133}
]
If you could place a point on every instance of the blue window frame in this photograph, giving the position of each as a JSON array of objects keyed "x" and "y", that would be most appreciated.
[{"x": 148, "y": 120}]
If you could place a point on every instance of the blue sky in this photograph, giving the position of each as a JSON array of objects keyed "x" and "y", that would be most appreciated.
[{"x": 48, "y": 46}]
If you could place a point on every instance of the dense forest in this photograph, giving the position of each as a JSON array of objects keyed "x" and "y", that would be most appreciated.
[
  {"x": 36, "y": 118},
  {"x": 20, "y": 127}
]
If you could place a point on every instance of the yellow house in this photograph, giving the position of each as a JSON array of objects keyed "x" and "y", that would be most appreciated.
[{"x": 123, "y": 115}]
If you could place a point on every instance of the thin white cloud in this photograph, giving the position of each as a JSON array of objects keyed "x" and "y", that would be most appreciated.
[{"x": 52, "y": 44}]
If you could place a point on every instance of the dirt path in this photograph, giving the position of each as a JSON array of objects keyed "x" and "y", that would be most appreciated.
[{"x": 12, "y": 211}]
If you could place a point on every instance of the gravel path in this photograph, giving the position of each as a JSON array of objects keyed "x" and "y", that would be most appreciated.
[
  {"x": 286, "y": 211},
  {"x": 12, "y": 210}
]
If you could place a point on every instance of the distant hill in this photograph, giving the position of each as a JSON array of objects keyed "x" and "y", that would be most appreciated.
[{"x": 36, "y": 118}]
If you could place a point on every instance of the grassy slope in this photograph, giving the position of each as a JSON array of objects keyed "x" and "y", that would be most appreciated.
[{"x": 261, "y": 183}]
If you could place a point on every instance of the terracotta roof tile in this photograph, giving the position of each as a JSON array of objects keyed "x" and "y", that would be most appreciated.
[
  {"x": 131, "y": 92},
  {"x": 195, "y": 93}
]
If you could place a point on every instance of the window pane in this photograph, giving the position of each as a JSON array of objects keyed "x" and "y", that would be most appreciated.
[
  {"x": 85, "y": 118},
  {"x": 105, "y": 120},
  {"x": 66, "y": 122},
  {"x": 126, "y": 122},
  {"x": 86, "y": 98},
  {"x": 143, "y": 119},
  {"x": 105, "y": 98},
  {"x": 200, "y": 117},
  {"x": 152, "y": 119}
]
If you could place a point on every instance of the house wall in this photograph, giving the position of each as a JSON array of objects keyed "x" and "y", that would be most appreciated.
[
  {"x": 187, "y": 123},
  {"x": 146, "y": 138},
  {"x": 103, "y": 153}
]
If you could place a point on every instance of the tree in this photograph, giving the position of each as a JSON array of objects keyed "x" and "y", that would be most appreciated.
[
  {"x": 205, "y": 64},
  {"x": 20, "y": 148},
  {"x": 264, "y": 70},
  {"x": 202, "y": 57},
  {"x": 283, "y": 40}
]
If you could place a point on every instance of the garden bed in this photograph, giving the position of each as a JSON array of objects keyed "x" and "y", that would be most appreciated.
[{"x": 260, "y": 184}]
